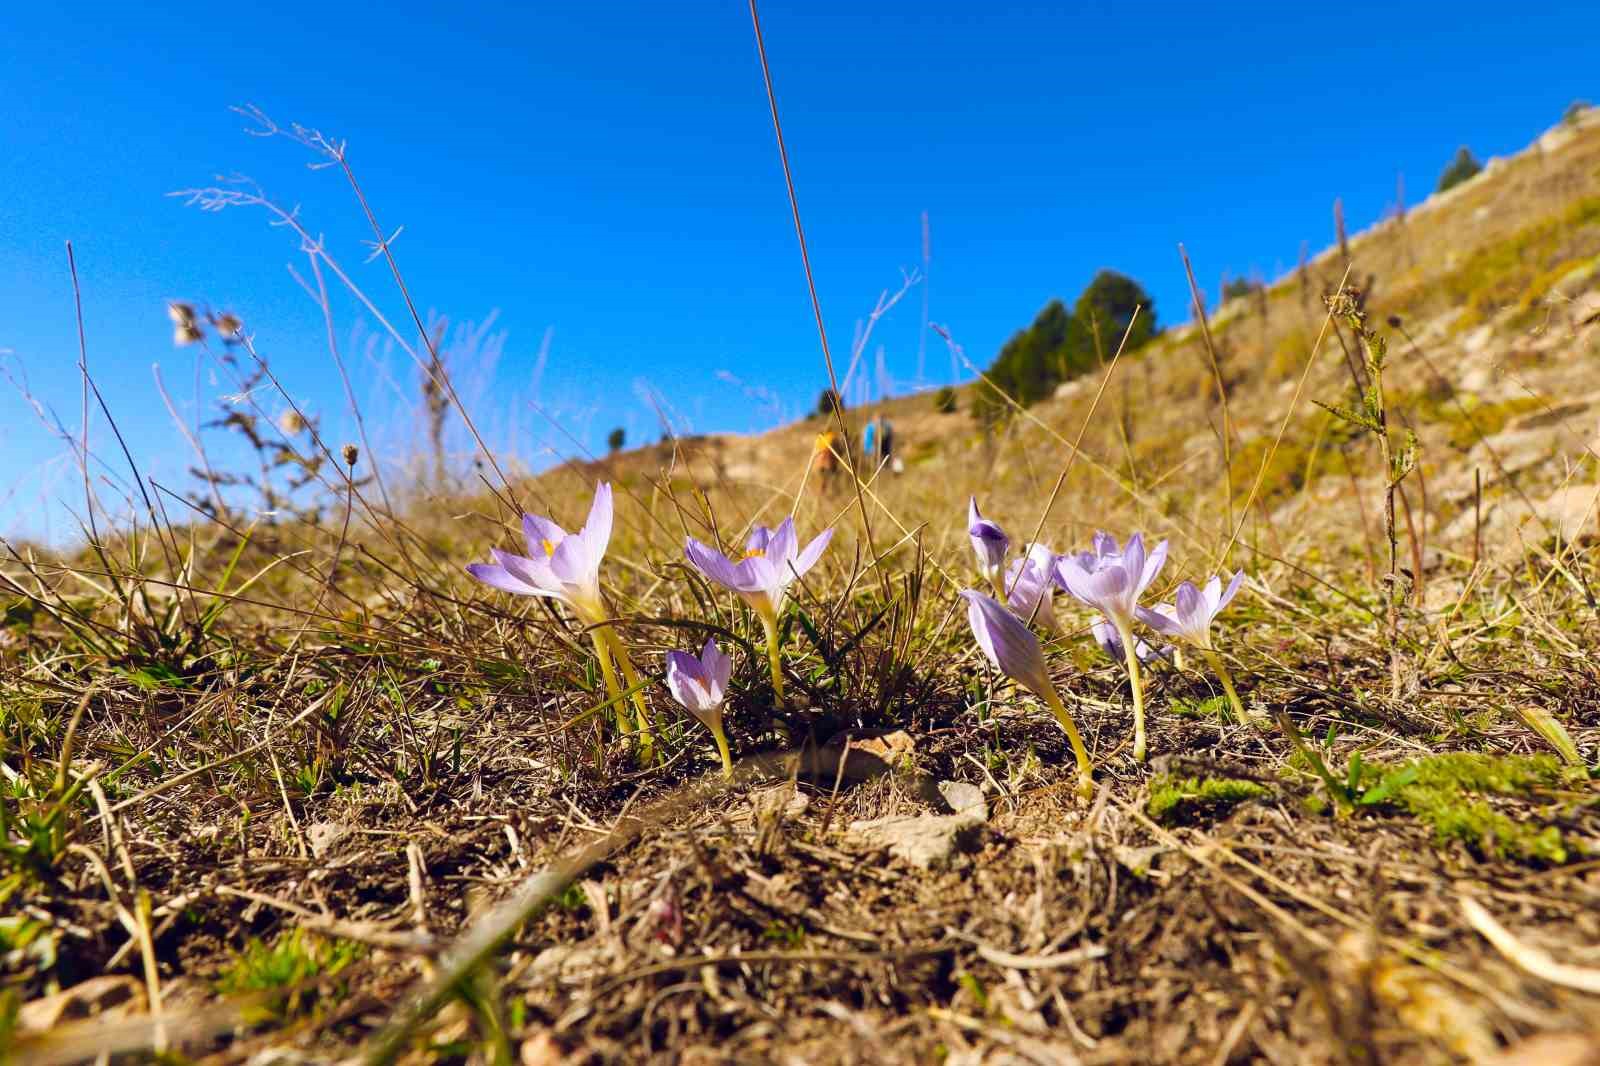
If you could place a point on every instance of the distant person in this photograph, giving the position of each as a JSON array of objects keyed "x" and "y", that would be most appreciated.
[
  {"x": 823, "y": 458},
  {"x": 886, "y": 443},
  {"x": 869, "y": 441}
]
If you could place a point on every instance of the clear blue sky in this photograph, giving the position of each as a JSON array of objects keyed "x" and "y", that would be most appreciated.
[{"x": 607, "y": 173}]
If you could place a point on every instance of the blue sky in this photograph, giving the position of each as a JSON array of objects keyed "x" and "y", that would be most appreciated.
[{"x": 605, "y": 177}]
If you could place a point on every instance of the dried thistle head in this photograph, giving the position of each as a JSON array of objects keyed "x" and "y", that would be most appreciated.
[
  {"x": 291, "y": 423},
  {"x": 1346, "y": 304},
  {"x": 185, "y": 327},
  {"x": 227, "y": 325},
  {"x": 350, "y": 453}
]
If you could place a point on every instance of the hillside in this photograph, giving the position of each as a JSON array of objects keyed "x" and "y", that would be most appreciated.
[
  {"x": 1496, "y": 284},
  {"x": 305, "y": 791}
]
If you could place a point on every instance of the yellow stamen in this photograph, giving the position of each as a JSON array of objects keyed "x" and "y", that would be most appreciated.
[
  {"x": 549, "y": 546},
  {"x": 755, "y": 553}
]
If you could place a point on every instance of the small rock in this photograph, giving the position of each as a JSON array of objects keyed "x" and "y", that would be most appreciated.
[
  {"x": 926, "y": 841},
  {"x": 325, "y": 836},
  {"x": 963, "y": 798}
]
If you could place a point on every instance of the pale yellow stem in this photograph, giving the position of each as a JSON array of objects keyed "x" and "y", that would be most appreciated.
[
  {"x": 721, "y": 738},
  {"x": 771, "y": 627},
  {"x": 631, "y": 676},
  {"x": 1131, "y": 654},
  {"x": 1220, "y": 668},
  {"x": 1085, "y": 768},
  {"x": 602, "y": 651}
]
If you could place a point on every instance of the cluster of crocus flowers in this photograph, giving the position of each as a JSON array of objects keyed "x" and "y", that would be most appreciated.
[
  {"x": 1110, "y": 578},
  {"x": 772, "y": 561},
  {"x": 700, "y": 684},
  {"x": 566, "y": 567}
]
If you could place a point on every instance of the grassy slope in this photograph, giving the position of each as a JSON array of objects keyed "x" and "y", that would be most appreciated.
[{"x": 380, "y": 753}]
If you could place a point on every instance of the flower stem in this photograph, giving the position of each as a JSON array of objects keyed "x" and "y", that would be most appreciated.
[
  {"x": 1220, "y": 668},
  {"x": 721, "y": 738},
  {"x": 1085, "y": 767},
  {"x": 771, "y": 627},
  {"x": 631, "y": 676},
  {"x": 602, "y": 651},
  {"x": 997, "y": 581},
  {"x": 1130, "y": 653}
]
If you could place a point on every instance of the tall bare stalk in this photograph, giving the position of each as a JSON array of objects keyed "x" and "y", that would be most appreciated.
[{"x": 1373, "y": 416}]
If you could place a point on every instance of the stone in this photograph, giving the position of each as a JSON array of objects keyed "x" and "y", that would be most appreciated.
[
  {"x": 324, "y": 837},
  {"x": 1508, "y": 522},
  {"x": 926, "y": 841},
  {"x": 962, "y": 797}
]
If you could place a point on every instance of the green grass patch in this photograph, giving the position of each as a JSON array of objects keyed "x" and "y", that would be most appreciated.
[
  {"x": 1179, "y": 799},
  {"x": 289, "y": 965}
]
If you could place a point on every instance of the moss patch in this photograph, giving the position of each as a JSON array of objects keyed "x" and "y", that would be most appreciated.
[
  {"x": 1447, "y": 794},
  {"x": 1176, "y": 799}
]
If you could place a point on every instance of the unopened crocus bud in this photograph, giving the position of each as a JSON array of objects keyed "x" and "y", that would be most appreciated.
[
  {"x": 989, "y": 542},
  {"x": 1009, "y": 644}
]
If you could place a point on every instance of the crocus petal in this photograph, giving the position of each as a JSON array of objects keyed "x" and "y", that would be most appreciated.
[
  {"x": 1104, "y": 544},
  {"x": 532, "y": 572},
  {"x": 1152, "y": 566},
  {"x": 496, "y": 575},
  {"x": 1106, "y": 635},
  {"x": 812, "y": 552},
  {"x": 1161, "y": 623},
  {"x": 781, "y": 546},
  {"x": 717, "y": 667},
  {"x": 596, "y": 532},
  {"x": 1133, "y": 559},
  {"x": 574, "y": 567},
  {"x": 1193, "y": 611},
  {"x": 1008, "y": 643},
  {"x": 1231, "y": 591},
  {"x": 686, "y": 683},
  {"x": 713, "y": 564},
  {"x": 757, "y": 540},
  {"x": 760, "y": 573},
  {"x": 540, "y": 531}
]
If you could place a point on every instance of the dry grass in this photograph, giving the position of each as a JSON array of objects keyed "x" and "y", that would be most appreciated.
[{"x": 265, "y": 786}]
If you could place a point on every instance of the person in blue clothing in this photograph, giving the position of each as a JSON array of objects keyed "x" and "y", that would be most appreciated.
[{"x": 869, "y": 441}]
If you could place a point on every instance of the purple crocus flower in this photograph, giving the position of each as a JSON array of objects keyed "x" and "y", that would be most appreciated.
[
  {"x": 566, "y": 566},
  {"x": 700, "y": 684},
  {"x": 989, "y": 543},
  {"x": 1111, "y": 578},
  {"x": 772, "y": 560},
  {"x": 1189, "y": 618},
  {"x": 561, "y": 565},
  {"x": 1030, "y": 587},
  {"x": 1012, "y": 647}
]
